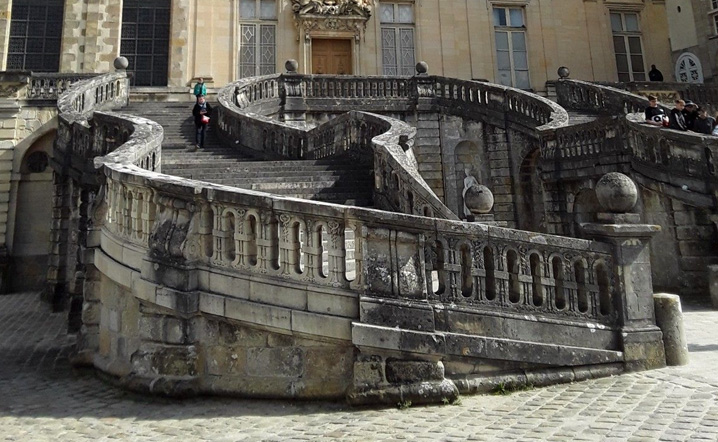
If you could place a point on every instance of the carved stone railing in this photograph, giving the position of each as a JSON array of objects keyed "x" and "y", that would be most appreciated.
[
  {"x": 461, "y": 96},
  {"x": 599, "y": 138},
  {"x": 589, "y": 97},
  {"x": 50, "y": 86},
  {"x": 382, "y": 139},
  {"x": 110, "y": 91},
  {"x": 484, "y": 267},
  {"x": 686, "y": 163}
]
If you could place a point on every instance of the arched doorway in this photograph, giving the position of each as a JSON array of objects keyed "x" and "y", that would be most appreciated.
[
  {"x": 33, "y": 217},
  {"x": 531, "y": 213},
  {"x": 689, "y": 69}
]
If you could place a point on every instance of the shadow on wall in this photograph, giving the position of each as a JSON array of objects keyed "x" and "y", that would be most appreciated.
[{"x": 33, "y": 214}]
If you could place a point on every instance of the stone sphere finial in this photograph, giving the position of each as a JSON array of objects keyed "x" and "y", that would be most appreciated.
[
  {"x": 291, "y": 66},
  {"x": 121, "y": 63},
  {"x": 422, "y": 68},
  {"x": 563, "y": 72},
  {"x": 479, "y": 199},
  {"x": 616, "y": 193}
]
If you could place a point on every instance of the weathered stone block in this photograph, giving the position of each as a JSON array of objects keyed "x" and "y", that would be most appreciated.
[
  {"x": 407, "y": 372},
  {"x": 281, "y": 362}
]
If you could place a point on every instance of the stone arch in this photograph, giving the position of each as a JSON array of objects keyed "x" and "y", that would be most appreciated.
[
  {"x": 585, "y": 207},
  {"x": 31, "y": 213},
  {"x": 531, "y": 202}
]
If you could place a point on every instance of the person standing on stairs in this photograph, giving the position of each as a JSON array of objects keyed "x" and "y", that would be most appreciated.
[
  {"x": 201, "y": 113},
  {"x": 200, "y": 88}
]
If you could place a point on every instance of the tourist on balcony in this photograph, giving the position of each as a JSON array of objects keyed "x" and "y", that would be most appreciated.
[
  {"x": 655, "y": 115},
  {"x": 200, "y": 88},
  {"x": 704, "y": 124},
  {"x": 201, "y": 113},
  {"x": 690, "y": 112},
  {"x": 677, "y": 119},
  {"x": 654, "y": 74}
]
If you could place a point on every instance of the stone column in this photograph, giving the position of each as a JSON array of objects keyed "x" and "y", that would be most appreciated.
[
  {"x": 294, "y": 104},
  {"x": 631, "y": 267}
]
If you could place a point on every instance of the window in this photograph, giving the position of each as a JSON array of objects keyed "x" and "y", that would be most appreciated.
[
  {"x": 35, "y": 35},
  {"x": 511, "y": 54},
  {"x": 257, "y": 37},
  {"x": 713, "y": 14},
  {"x": 397, "y": 38},
  {"x": 146, "y": 40},
  {"x": 628, "y": 46},
  {"x": 689, "y": 69}
]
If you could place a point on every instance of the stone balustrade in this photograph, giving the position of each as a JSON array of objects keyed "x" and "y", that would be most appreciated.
[
  {"x": 50, "y": 86},
  {"x": 180, "y": 278},
  {"x": 590, "y": 97},
  {"x": 682, "y": 160}
]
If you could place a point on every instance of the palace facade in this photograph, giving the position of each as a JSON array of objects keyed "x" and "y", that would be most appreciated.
[{"x": 518, "y": 43}]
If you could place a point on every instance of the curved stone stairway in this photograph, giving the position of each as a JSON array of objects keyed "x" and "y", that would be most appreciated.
[{"x": 336, "y": 180}]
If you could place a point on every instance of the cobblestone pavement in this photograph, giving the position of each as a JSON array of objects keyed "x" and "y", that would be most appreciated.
[{"x": 42, "y": 398}]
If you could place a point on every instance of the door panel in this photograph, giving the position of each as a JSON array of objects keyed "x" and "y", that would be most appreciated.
[{"x": 333, "y": 57}]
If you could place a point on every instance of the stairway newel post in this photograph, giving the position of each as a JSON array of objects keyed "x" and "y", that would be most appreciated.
[{"x": 294, "y": 106}]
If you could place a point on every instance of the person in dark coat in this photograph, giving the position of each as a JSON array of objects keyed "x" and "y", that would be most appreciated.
[
  {"x": 201, "y": 113},
  {"x": 690, "y": 113},
  {"x": 654, "y": 74},
  {"x": 704, "y": 124}
]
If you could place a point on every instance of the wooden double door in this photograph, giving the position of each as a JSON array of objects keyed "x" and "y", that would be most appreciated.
[{"x": 332, "y": 56}]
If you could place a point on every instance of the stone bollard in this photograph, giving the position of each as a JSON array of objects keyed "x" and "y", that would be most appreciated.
[
  {"x": 669, "y": 318},
  {"x": 713, "y": 284}
]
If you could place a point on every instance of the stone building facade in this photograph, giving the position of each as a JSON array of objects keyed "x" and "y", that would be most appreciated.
[
  {"x": 172, "y": 42},
  {"x": 694, "y": 50}
]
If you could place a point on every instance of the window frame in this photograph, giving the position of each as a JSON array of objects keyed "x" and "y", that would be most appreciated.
[
  {"x": 258, "y": 23},
  {"x": 510, "y": 29},
  {"x": 625, "y": 35},
  {"x": 398, "y": 27}
]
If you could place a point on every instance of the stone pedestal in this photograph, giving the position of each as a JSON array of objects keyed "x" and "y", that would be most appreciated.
[
  {"x": 633, "y": 291},
  {"x": 669, "y": 319}
]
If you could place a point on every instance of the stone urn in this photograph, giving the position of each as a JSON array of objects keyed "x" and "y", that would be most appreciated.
[
  {"x": 616, "y": 193},
  {"x": 479, "y": 199}
]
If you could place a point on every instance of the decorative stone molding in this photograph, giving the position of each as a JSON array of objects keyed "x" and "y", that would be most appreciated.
[{"x": 347, "y": 16}]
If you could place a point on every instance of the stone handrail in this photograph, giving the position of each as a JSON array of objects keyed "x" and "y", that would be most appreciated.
[
  {"x": 50, "y": 86},
  {"x": 350, "y": 87},
  {"x": 601, "y": 137},
  {"x": 104, "y": 92},
  {"x": 386, "y": 140},
  {"x": 516, "y": 105},
  {"x": 590, "y": 97},
  {"x": 683, "y": 160}
]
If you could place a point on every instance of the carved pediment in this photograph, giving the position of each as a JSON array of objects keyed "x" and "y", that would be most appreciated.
[{"x": 362, "y": 8}]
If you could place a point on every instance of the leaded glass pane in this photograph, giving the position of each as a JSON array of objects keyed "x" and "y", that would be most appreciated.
[
  {"x": 406, "y": 14},
  {"x": 267, "y": 62},
  {"x": 388, "y": 50},
  {"x": 268, "y": 10},
  {"x": 248, "y": 9},
  {"x": 407, "y": 51},
  {"x": 247, "y": 51},
  {"x": 387, "y": 13}
]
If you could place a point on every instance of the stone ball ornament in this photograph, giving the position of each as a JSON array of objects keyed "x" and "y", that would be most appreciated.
[
  {"x": 121, "y": 63},
  {"x": 479, "y": 199},
  {"x": 563, "y": 72},
  {"x": 291, "y": 66},
  {"x": 616, "y": 193},
  {"x": 422, "y": 68}
]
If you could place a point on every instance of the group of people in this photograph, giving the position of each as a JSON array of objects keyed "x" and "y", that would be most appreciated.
[
  {"x": 201, "y": 112},
  {"x": 685, "y": 116}
]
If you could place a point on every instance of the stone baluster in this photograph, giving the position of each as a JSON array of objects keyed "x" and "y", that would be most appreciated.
[
  {"x": 452, "y": 267},
  {"x": 217, "y": 234},
  {"x": 246, "y": 240},
  {"x": 633, "y": 289},
  {"x": 267, "y": 243},
  {"x": 148, "y": 214},
  {"x": 501, "y": 276},
  {"x": 337, "y": 253},
  {"x": 313, "y": 252}
]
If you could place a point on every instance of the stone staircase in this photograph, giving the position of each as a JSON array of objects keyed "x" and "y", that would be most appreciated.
[{"x": 335, "y": 180}]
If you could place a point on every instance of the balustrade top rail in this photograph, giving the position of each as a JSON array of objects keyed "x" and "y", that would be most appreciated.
[
  {"x": 104, "y": 92},
  {"x": 601, "y": 99}
]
